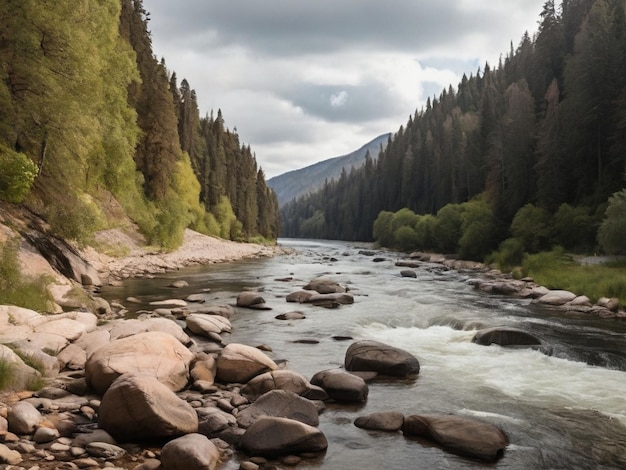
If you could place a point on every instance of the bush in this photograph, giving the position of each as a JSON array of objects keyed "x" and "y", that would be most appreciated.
[
  {"x": 383, "y": 232},
  {"x": 611, "y": 233},
  {"x": 510, "y": 254},
  {"x": 17, "y": 175},
  {"x": 405, "y": 238},
  {"x": 6, "y": 374},
  {"x": 478, "y": 230},
  {"x": 574, "y": 229},
  {"x": 531, "y": 226},
  {"x": 424, "y": 231},
  {"x": 447, "y": 228}
]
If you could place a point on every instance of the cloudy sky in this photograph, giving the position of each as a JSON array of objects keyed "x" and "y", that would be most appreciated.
[{"x": 307, "y": 80}]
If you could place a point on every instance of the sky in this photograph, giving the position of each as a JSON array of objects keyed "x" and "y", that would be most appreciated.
[{"x": 307, "y": 80}]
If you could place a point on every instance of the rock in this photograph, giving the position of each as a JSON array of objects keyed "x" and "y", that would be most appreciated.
[
  {"x": 460, "y": 435},
  {"x": 204, "y": 370},
  {"x": 341, "y": 386},
  {"x": 367, "y": 252},
  {"x": 22, "y": 374},
  {"x": 72, "y": 357},
  {"x": 45, "y": 434},
  {"x": 226, "y": 311},
  {"x": 281, "y": 379},
  {"x": 249, "y": 299},
  {"x": 295, "y": 315},
  {"x": 580, "y": 301},
  {"x": 169, "y": 303},
  {"x": 205, "y": 325},
  {"x": 139, "y": 407},
  {"x": 611, "y": 304},
  {"x": 196, "y": 298},
  {"x": 556, "y": 297},
  {"x": 505, "y": 337},
  {"x": 301, "y": 296},
  {"x": 281, "y": 436},
  {"x": 212, "y": 421},
  {"x": 382, "y": 358},
  {"x": 23, "y": 418},
  {"x": 193, "y": 451},
  {"x": 239, "y": 363},
  {"x": 97, "y": 435},
  {"x": 8, "y": 456},
  {"x": 408, "y": 273},
  {"x": 341, "y": 299},
  {"x": 156, "y": 354},
  {"x": 390, "y": 421},
  {"x": 104, "y": 450},
  {"x": 324, "y": 286},
  {"x": 129, "y": 327},
  {"x": 408, "y": 264},
  {"x": 280, "y": 403},
  {"x": 179, "y": 284}
]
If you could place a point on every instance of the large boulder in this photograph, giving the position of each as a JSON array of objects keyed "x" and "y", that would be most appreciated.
[
  {"x": 505, "y": 337},
  {"x": 341, "y": 386},
  {"x": 276, "y": 379},
  {"x": 382, "y": 358},
  {"x": 251, "y": 299},
  {"x": 556, "y": 297},
  {"x": 207, "y": 325},
  {"x": 139, "y": 407},
  {"x": 23, "y": 418},
  {"x": 155, "y": 353},
  {"x": 333, "y": 298},
  {"x": 19, "y": 375},
  {"x": 281, "y": 403},
  {"x": 193, "y": 451},
  {"x": 281, "y": 436},
  {"x": 390, "y": 421},
  {"x": 125, "y": 328},
  {"x": 324, "y": 286},
  {"x": 239, "y": 363},
  {"x": 459, "y": 435}
]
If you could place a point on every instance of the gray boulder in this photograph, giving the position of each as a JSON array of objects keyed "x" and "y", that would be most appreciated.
[
  {"x": 459, "y": 435},
  {"x": 139, "y": 407},
  {"x": 324, "y": 286},
  {"x": 341, "y": 386},
  {"x": 23, "y": 418},
  {"x": 273, "y": 436},
  {"x": 382, "y": 358},
  {"x": 238, "y": 363},
  {"x": 505, "y": 337},
  {"x": 281, "y": 403},
  {"x": 277, "y": 379},
  {"x": 390, "y": 421},
  {"x": 193, "y": 451}
]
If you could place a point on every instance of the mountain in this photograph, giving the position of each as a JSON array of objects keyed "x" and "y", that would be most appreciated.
[{"x": 296, "y": 183}]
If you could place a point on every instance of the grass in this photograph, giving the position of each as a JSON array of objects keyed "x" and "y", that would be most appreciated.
[
  {"x": 6, "y": 374},
  {"x": 557, "y": 270}
]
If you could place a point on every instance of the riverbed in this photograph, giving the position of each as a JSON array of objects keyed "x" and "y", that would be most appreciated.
[{"x": 562, "y": 407}]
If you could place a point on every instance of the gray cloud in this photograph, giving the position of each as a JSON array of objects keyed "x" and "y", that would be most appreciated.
[{"x": 307, "y": 80}]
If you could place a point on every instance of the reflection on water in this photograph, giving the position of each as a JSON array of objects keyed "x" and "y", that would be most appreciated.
[{"x": 567, "y": 410}]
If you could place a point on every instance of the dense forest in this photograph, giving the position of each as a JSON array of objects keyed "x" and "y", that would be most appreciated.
[
  {"x": 89, "y": 119},
  {"x": 536, "y": 144}
]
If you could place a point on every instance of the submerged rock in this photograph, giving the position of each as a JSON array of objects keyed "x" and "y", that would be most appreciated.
[{"x": 505, "y": 337}]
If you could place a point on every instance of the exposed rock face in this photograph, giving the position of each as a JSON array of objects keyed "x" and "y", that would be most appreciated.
[
  {"x": 193, "y": 451},
  {"x": 139, "y": 407},
  {"x": 281, "y": 436},
  {"x": 382, "y": 358},
  {"x": 276, "y": 379},
  {"x": 341, "y": 386},
  {"x": 239, "y": 363},
  {"x": 505, "y": 337},
  {"x": 280, "y": 403},
  {"x": 459, "y": 435},
  {"x": 156, "y": 354},
  {"x": 390, "y": 421}
]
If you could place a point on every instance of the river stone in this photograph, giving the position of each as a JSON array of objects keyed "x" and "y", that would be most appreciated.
[
  {"x": 205, "y": 325},
  {"x": 340, "y": 298},
  {"x": 125, "y": 328},
  {"x": 390, "y": 421},
  {"x": 8, "y": 456},
  {"x": 23, "y": 375},
  {"x": 324, "y": 286},
  {"x": 281, "y": 403},
  {"x": 408, "y": 273},
  {"x": 196, "y": 298},
  {"x": 169, "y": 303},
  {"x": 611, "y": 304},
  {"x": 556, "y": 297},
  {"x": 212, "y": 421},
  {"x": 139, "y": 407},
  {"x": 281, "y": 436},
  {"x": 67, "y": 328},
  {"x": 179, "y": 284},
  {"x": 277, "y": 379},
  {"x": 460, "y": 435},
  {"x": 226, "y": 311},
  {"x": 295, "y": 315},
  {"x": 341, "y": 386},
  {"x": 72, "y": 357},
  {"x": 249, "y": 299},
  {"x": 193, "y": 451},
  {"x": 154, "y": 353},
  {"x": 379, "y": 357},
  {"x": 238, "y": 363},
  {"x": 23, "y": 418},
  {"x": 45, "y": 434},
  {"x": 104, "y": 450},
  {"x": 301, "y": 296},
  {"x": 204, "y": 369},
  {"x": 505, "y": 337}
]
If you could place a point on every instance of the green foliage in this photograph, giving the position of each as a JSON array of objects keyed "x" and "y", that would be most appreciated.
[
  {"x": 7, "y": 372},
  {"x": 313, "y": 227},
  {"x": 76, "y": 219},
  {"x": 17, "y": 175},
  {"x": 611, "y": 234},
  {"x": 447, "y": 228},
  {"x": 509, "y": 255},
  {"x": 405, "y": 238},
  {"x": 226, "y": 218},
  {"x": 531, "y": 226},
  {"x": 574, "y": 228},
  {"x": 404, "y": 217},
  {"x": 425, "y": 232},
  {"x": 383, "y": 231},
  {"x": 556, "y": 270},
  {"x": 479, "y": 229},
  {"x": 17, "y": 290}
]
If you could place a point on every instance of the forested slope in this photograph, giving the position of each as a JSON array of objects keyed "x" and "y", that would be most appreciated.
[
  {"x": 546, "y": 126},
  {"x": 87, "y": 113}
]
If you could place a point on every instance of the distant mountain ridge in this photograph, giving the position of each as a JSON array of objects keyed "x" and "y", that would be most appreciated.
[{"x": 296, "y": 183}]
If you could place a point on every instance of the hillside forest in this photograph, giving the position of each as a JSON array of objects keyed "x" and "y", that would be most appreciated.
[
  {"x": 527, "y": 154},
  {"x": 92, "y": 123}
]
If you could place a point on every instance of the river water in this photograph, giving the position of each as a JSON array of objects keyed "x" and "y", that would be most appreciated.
[{"x": 563, "y": 408}]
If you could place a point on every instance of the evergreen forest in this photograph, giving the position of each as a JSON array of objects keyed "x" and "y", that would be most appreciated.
[
  {"x": 525, "y": 155},
  {"x": 91, "y": 123}
]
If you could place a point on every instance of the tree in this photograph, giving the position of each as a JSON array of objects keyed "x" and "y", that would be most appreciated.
[
  {"x": 478, "y": 230},
  {"x": 611, "y": 232},
  {"x": 531, "y": 226}
]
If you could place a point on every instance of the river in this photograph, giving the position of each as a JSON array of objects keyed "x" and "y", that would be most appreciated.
[{"x": 562, "y": 409}]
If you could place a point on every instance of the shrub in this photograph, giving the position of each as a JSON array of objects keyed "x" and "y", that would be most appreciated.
[
  {"x": 17, "y": 175},
  {"x": 478, "y": 230},
  {"x": 383, "y": 232},
  {"x": 405, "y": 238},
  {"x": 531, "y": 226},
  {"x": 611, "y": 233},
  {"x": 573, "y": 228},
  {"x": 447, "y": 228},
  {"x": 424, "y": 231},
  {"x": 510, "y": 254}
]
